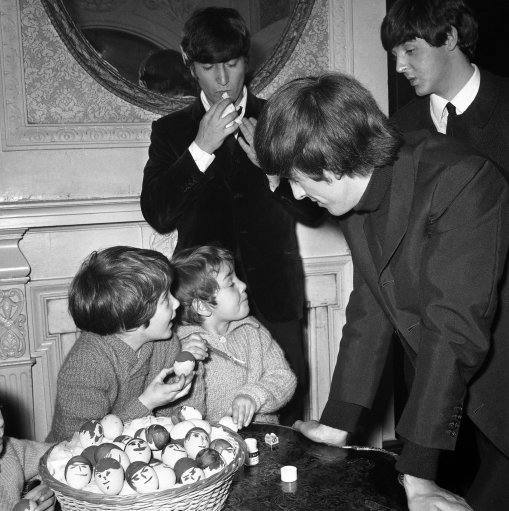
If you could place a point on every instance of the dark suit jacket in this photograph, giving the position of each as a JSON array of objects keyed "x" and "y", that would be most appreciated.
[
  {"x": 230, "y": 204},
  {"x": 437, "y": 284},
  {"x": 484, "y": 125}
]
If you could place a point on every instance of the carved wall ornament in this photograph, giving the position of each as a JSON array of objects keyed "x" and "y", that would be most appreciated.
[{"x": 12, "y": 323}]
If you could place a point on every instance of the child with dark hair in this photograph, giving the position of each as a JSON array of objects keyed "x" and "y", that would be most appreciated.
[
  {"x": 19, "y": 463},
  {"x": 121, "y": 300},
  {"x": 246, "y": 374}
]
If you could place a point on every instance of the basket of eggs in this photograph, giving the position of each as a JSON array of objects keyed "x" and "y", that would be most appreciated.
[{"x": 154, "y": 463}]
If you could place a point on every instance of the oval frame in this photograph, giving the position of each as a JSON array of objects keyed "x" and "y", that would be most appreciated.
[{"x": 81, "y": 49}]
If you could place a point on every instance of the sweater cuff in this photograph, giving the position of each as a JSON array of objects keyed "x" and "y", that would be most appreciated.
[
  {"x": 341, "y": 415},
  {"x": 418, "y": 461}
]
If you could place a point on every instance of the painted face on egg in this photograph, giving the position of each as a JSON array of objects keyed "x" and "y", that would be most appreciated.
[
  {"x": 78, "y": 472},
  {"x": 157, "y": 437},
  {"x": 109, "y": 476},
  {"x": 122, "y": 440},
  {"x": 91, "y": 433},
  {"x": 192, "y": 475},
  {"x": 224, "y": 448},
  {"x": 138, "y": 450},
  {"x": 119, "y": 455},
  {"x": 172, "y": 453},
  {"x": 210, "y": 461},
  {"x": 142, "y": 477},
  {"x": 196, "y": 440}
]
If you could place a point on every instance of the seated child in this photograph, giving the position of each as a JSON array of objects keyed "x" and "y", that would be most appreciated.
[
  {"x": 246, "y": 374},
  {"x": 121, "y": 300},
  {"x": 19, "y": 463}
]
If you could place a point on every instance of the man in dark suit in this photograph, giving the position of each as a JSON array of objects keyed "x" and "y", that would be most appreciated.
[
  {"x": 202, "y": 179},
  {"x": 433, "y": 42},
  {"x": 427, "y": 223}
]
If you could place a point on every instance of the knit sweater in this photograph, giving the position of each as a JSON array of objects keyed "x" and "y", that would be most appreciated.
[
  {"x": 103, "y": 374},
  {"x": 261, "y": 373},
  {"x": 19, "y": 462}
]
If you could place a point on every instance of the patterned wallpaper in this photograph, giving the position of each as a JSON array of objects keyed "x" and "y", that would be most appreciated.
[{"x": 59, "y": 91}]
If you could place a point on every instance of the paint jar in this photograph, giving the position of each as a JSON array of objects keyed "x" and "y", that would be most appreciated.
[{"x": 253, "y": 456}]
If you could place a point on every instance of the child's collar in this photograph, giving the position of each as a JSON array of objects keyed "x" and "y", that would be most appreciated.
[{"x": 184, "y": 331}]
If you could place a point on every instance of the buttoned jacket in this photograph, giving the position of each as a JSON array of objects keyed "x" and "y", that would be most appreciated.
[{"x": 437, "y": 282}]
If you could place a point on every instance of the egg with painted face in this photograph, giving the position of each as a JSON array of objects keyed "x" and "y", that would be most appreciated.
[
  {"x": 157, "y": 437},
  {"x": 118, "y": 454},
  {"x": 187, "y": 471},
  {"x": 172, "y": 453},
  {"x": 196, "y": 439},
  {"x": 78, "y": 472},
  {"x": 180, "y": 430},
  {"x": 109, "y": 476},
  {"x": 200, "y": 423},
  {"x": 112, "y": 426},
  {"x": 138, "y": 450},
  {"x": 91, "y": 433},
  {"x": 224, "y": 448},
  {"x": 122, "y": 440},
  {"x": 184, "y": 363},
  {"x": 165, "y": 474},
  {"x": 89, "y": 453},
  {"x": 141, "y": 477},
  {"x": 210, "y": 461}
]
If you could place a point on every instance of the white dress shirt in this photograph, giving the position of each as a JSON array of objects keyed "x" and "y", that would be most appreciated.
[{"x": 461, "y": 101}]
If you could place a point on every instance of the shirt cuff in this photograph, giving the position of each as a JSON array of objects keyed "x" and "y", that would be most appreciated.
[
  {"x": 201, "y": 157},
  {"x": 418, "y": 461},
  {"x": 344, "y": 416}
]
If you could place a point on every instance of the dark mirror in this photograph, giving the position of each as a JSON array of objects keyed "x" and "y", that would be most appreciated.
[{"x": 112, "y": 39}]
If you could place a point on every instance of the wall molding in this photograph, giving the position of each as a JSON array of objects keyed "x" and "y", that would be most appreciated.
[{"x": 341, "y": 49}]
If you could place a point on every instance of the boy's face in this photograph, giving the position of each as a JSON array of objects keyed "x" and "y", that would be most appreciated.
[
  {"x": 160, "y": 324},
  {"x": 426, "y": 67},
  {"x": 231, "y": 297},
  {"x": 216, "y": 79},
  {"x": 336, "y": 195}
]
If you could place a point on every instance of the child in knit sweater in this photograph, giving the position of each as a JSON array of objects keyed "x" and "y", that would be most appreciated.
[
  {"x": 120, "y": 364},
  {"x": 19, "y": 463},
  {"x": 246, "y": 374}
]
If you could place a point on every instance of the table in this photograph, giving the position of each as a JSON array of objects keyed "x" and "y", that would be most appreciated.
[{"x": 329, "y": 478}]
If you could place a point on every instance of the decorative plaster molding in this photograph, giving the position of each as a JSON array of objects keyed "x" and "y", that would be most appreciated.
[
  {"x": 341, "y": 48},
  {"x": 31, "y": 214},
  {"x": 13, "y": 321}
]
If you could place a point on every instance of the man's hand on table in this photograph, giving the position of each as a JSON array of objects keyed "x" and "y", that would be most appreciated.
[
  {"x": 321, "y": 433},
  {"x": 425, "y": 495}
]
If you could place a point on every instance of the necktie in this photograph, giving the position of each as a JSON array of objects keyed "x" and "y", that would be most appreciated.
[
  {"x": 451, "y": 117},
  {"x": 230, "y": 142}
]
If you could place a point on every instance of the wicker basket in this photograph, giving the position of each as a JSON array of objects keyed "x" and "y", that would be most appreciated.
[{"x": 206, "y": 494}]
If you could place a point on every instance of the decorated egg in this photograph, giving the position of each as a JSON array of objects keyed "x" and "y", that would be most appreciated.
[
  {"x": 210, "y": 461},
  {"x": 109, "y": 476},
  {"x": 157, "y": 437},
  {"x": 25, "y": 505},
  {"x": 89, "y": 453},
  {"x": 91, "y": 433},
  {"x": 165, "y": 474},
  {"x": 141, "y": 477},
  {"x": 187, "y": 471},
  {"x": 172, "y": 453},
  {"x": 196, "y": 439},
  {"x": 138, "y": 450},
  {"x": 227, "y": 422},
  {"x": 103, "y": 449},
  {"x": 224, "y": 448},
  {"x": 118, "y": 454},
  {"x": 187, "y": 413},
  {"x": 179, "y": 431},
  {"x": 184, "y": 363},
  {"x": 78, "y": 472},
  {"x": 200, "y": 423},
  {"x": 141, "y": 433},
  {"x": 122, "y": 440},
  {"x": 112, "y": 426}
]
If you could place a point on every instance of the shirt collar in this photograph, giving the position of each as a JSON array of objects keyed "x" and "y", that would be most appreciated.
[
  {"x": 462, "y": 100},
  {"x": 242, "y": 103},
  {"x": 377, "y": 187}
]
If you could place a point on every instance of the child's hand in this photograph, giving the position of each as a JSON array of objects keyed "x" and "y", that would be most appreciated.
[
  {"x": 242, "y": 410},
  {"x": 159, "y": 393},
  {"x": 196, "y": 345},
  {"x": 44, "y": 497}
]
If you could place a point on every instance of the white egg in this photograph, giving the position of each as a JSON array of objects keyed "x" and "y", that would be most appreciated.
[
  {"x": 189, "y": 413},
  {"x": 180, "y": 430},
  {"x": 172, "y": 453},
  {"x": 203, "y": 424},
  {"x": 165, "y": 474},
  {"x": 227, "y": 422},
  {"x": 112, "y": 426}
]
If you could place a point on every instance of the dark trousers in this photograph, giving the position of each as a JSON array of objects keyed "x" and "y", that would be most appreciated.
[{"x": 289, "y": 335}]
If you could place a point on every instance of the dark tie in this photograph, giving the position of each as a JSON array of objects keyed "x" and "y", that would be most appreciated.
[
  {"x": 451, "y": 109},
  {"x": 230, "y": 142}
]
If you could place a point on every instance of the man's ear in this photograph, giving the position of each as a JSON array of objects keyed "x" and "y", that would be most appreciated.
[
  {"x": 452, "y": 39},
  {"x": 202, "y": 308}
]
